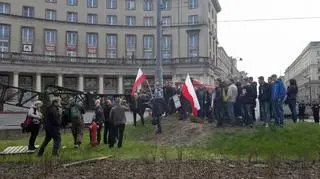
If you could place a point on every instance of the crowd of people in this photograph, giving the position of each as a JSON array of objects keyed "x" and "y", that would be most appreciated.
[{"x": 230, "y": 102}]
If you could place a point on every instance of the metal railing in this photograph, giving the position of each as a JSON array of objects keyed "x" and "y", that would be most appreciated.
[{"x": 29, "y": 58}]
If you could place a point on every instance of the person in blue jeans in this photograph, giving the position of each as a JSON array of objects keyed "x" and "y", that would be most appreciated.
[
  {"x": 278, "y": 95},
  {"x": 265, "y": 100},
  {"x": 291, "y": 100}
]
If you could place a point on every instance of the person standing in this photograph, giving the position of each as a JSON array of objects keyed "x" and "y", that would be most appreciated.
[
  {"x": 76, "y": 116},
  {"x": 107, "y": 125},
  {"x": 315, "y": 111},
  {"x": 99, "y": 119},
  {"x": 278, "y": 95},
  {"x": 302, "y": 110},
  {"x": 254, "y": 96},
  {"x": 231, "y": 99},
  {"x": 237, "y": 108},
  {"x": 36, "y": 116},
  {"x": 247, "y": 95},
  {"x": 291, "y": 100},
  {"x": 52, "y": 123},
  {"x": 218, "y": 103},
  {"x": 265, "y": 100},
  {"x": 118, "y": 120}
]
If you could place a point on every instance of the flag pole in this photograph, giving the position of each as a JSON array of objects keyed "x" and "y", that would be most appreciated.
[{"x": 149, "y": 87}]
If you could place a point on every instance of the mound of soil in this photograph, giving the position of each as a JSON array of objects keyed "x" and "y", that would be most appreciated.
[
  {"x": 178, "y": 133},
  {"x": 167, "y": 169}
]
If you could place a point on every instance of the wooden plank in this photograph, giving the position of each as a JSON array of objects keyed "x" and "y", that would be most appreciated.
[{"x": 86, "y": 161}]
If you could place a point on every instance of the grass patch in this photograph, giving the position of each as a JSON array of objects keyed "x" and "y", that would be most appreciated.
[{"x": 295, "y": 141}]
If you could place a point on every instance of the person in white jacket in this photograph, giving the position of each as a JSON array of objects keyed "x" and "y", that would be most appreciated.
[{"x": 36, "y": 116}]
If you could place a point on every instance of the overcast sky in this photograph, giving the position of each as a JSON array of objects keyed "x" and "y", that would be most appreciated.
[{"x": 267, "y": 47}]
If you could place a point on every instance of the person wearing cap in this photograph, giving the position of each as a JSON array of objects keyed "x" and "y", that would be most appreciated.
[
  {"x": 36, "y": 116},
  {"x": 52, "y": 124}
]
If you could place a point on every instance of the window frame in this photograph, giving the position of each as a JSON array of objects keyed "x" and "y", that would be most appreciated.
[
  {"x": 166, "y": 17},
  {"x": 145, "y": 49},
  {"x": 146, "y": 19},
  {"x": 92, "y": 4},
  {"x": 167, "y": 6},
  {"x": 92, "y": 15},
  {"x": 51, "y": 1},
  {"x": 76, "y": 38},
  {"x": 110, "y": 55},
  {"x": 146, "y": 7},
  {"x": 75, "y": 15},
  {"x": 128, "y": 8},
  {"x": 115, "y": 19},
  {"x": 164, "y": 37},
  {"x": 51, "y": 10},
  {"x": 72, "y": 4},
  {"x": 126, "y": 45},
  {"x": 32, "y": 38},
  {"x": 109, "y": 3},
  {"x": 193, "y": 4},
  {"x": 4, "y": 5},
  {"x": 32, "y": 11},
  {"x": 194, "y": 33},
  {"x": 131, "y": 19},
  {"x": 193, "y": 19}
]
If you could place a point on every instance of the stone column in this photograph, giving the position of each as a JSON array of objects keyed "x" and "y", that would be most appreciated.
[
  {"x": 80, "y": 83},
  {"x": 120, "y": 84},
  {"x": 15, "y": 82},
  {"x": 101, "y": 85},
  {"x": 60, "y": 80},
  {"x": 38, "y": 82}
]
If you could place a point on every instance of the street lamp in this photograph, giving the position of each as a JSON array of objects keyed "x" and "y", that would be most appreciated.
[{"x": 233, "y": 59}]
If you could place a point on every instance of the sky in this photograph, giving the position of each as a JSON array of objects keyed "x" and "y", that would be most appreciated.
[{"x": 267, "y": 47}]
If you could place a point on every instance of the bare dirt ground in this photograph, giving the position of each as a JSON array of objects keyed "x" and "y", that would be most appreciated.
[{"x": 170, "y": 170}]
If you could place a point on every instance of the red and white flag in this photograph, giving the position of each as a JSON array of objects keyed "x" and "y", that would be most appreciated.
[
  {"x": 141, "y": 77},
  {"x": 190, "y": 94}
]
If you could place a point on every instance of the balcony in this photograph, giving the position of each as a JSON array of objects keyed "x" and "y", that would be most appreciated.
[{"x": 30, "y": 59}]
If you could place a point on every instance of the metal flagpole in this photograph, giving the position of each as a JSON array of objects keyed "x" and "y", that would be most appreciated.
[{"x": 158, "y": 74}]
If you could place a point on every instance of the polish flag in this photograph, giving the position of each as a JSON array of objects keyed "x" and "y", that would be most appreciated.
[
  {"x": 141, "y": 77},
  {"x": 190, "y": 94}
]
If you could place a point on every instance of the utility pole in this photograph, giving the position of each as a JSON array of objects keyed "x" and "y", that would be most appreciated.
[{"x": 158, "y": 73}]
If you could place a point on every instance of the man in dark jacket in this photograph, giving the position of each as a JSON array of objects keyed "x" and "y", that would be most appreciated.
[
  {"x": 218, "y": 103},
  {"x": 302, "y": 110},
  {"x": 52, "y": 125},
  {"x": 247, "y": 96},
  {"x": 99, "y": 119},
  {"x": 253, "y": 85},
  {"x": 159, "y": 107},
  {"x": 118, "y": 120},
  {"x": 265, "y": 100},
  {"x": 107, "y": 126}
]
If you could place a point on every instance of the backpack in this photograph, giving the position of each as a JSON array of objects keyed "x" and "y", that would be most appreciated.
[
  {"x": 75, "y": 112},
  {"x": 26, "y": 125}
]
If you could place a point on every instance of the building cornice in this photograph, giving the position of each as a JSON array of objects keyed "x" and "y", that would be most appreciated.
[{"x": 216, "y": 5}]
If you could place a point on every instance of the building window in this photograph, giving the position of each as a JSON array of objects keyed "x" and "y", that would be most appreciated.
[
  {"x": 4, "y": 37},
  {"x": 92, "y": 44},
  {"x": 167, "y": 46},
  {"x": 92, "y": 19},
  {"x": 131, "y": 20},
  {"x": 27, "y": 35},
  {"x": 51, "y": 14},
  {"x": 28, "y": 11},
  {"x": 148, "y": 46},
  {"x": 92, "y": 3},
  {"x": 131, "y": 4},
  {"x": 131, "y": 43},
  {"x": 193, "y": 43},
  {"x": 166, "y": 5},
  {"x": 193, "y": 19},
  {"x": 50, "y": 36},
  {"x": 72, "y": 17},
  {"x": 4, "y": 8},
  {"x": 148, "y": 6},
  {"x": 72, "y": 43},
  {"x": 112, "y": 4},
  {"x": 193, "y": 4},
  {"x": 111, "y": 20},
  {"x": 27, "y": 39},
  {"x": 90, "y": 84},
  {"x": 148, "y": 21},
  {"x": 51, "y": 1},
  {"x": 72, "y": 2},
  {"x": 112, "y": 45},
  {"x": 166, "y": 20}
]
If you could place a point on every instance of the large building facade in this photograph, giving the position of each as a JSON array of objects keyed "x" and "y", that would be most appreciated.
[
  {"x": 98, "y": 45},
  {"x": 306, "y": 70}
]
